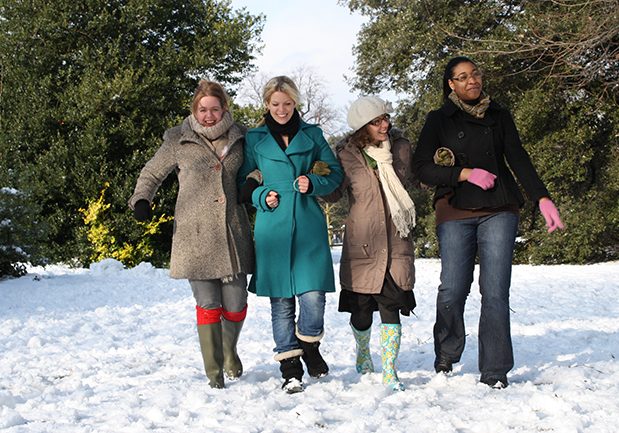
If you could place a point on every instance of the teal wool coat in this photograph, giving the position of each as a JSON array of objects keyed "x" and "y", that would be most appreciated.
[{"x": 291, "y": 241}]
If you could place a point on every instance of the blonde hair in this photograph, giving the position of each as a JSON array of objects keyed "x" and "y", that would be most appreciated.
[
  {"x": 209, "y": 88},
  {"x": 281, "y": 84}
]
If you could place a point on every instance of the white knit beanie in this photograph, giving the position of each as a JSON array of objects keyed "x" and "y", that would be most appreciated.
[{"x": 365, "y": 109}]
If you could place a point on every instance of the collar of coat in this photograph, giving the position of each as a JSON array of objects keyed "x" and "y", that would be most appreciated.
[
  {"x": 266, "y": 145},
  {"x": 449, "y": 109}
]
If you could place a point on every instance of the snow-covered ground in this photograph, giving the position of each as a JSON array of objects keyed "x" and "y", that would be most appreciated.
[{"x": 108, "y": 349}]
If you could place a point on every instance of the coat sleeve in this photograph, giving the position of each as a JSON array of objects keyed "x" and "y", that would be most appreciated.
[
  {"x": 323, "y": 185},
  {"x": 402, "y": 160},
  {"x": 259, "y": 194},
  {"x": 338, "y": 192},
  {"x": 519, "y": 161},
  {"x": 249, "y": 161},
  {"x": 423, "y": 163},
  {"x": 155, "y": 171}
]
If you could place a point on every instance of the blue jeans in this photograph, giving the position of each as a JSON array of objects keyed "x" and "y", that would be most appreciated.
[
  {"x": 310, "y": 322},
  {"x": 493, "y": 237}
]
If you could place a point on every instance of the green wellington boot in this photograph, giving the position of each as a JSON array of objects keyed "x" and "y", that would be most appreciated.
[
  {"x": 211, "y": 346},
  {"x": 233, "y": 368}
]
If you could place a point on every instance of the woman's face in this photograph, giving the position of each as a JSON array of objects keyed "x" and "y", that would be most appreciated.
[
  {"x": 466, "y": 81},
  {"x": 281, "y": 106},
  {"x": 378, "y": 128},
  {"x": 209, "y": 111}
]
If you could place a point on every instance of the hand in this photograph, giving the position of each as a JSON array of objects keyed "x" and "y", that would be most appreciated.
[
  {"x": 272, "y": 199},
  {"x": 141, "y": 210},
  {"x": 550, "y": 214},
  {"x": 302, "y": 183},
  {"x": 481, "y": 178}
]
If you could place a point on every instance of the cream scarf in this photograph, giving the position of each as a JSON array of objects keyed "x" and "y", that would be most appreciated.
[
  {"x": 216, "y": 135},
  {"x": 400, "y": 204}
]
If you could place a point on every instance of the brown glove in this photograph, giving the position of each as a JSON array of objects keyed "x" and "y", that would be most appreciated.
[
  {"x": 320, "y": 168},
  {"x": 445, "y": 157}
]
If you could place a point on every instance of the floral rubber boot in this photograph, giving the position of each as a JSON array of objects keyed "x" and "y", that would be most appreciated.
[
  {"x": 390, "y": 335},
  {"x": 363, "y": 362}
]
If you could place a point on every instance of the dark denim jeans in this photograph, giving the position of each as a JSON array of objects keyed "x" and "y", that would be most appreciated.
[
  {"x": 310, "y": 322},
  {"x": 492, "y": 237}
]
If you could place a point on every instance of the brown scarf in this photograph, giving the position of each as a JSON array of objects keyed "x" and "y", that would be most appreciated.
[{"x": 478, "y": 111}]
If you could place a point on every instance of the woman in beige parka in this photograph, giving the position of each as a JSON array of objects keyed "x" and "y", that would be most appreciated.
[
  {"x": 211, "y": 245},
  {"x": 377, "y": 270}
]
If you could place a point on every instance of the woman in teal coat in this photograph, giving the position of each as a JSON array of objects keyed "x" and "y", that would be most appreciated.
[{"x": 293, "y": 259}]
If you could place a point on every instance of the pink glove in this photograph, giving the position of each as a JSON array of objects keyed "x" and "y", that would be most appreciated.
[
  {"x": 551, "y": 215},
  {"x": 482, "y": 178}
]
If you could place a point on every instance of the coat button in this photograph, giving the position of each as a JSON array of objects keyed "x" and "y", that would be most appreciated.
[
  {"x": 461, "y": 134},
  {"x": 217, "y": 167},
  {"x": 222, "y": 199}
]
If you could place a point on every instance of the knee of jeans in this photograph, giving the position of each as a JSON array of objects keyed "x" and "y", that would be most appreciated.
[
  {"x": 497, "y": 303},
  {"x": 312, "y": 305},
  {"x": 283, "y": 307},
  {"x": 314, "y": 297},
  {"x": 234, "y": 300},
  {"x": 450, "y": 295}
]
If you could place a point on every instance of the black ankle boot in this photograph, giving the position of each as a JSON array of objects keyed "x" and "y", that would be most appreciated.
[
  {"x": 292, "y": 373},
  {"x": 316, "y": 365},
  {"x": 442, "y": 365}
]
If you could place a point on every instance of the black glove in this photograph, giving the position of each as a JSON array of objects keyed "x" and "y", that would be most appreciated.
[
  {"x": 247, "y": 190},
  {"x": 141, "y": 210}
]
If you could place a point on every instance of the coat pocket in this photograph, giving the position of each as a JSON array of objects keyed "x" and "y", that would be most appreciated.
[
  {"x": 358, "y": 238},
  {"x": 403, "y": 272},
  {"x": 357, "y": 251}
]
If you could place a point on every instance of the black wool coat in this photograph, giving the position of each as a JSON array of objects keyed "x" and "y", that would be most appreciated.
[{"x": 491, "y": 143}]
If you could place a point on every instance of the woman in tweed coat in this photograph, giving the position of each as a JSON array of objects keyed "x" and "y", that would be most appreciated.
[{"x": 211, "y": 245}]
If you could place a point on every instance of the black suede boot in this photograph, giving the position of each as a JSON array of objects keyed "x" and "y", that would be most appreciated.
[
  {"x": 292, "y": 373},
  {"x": 316, "y": 365}
]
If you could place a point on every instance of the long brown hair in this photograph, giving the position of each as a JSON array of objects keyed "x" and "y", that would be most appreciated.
[
  {"x": 209, "y": 88},
  {"x": 362, "y": 138}
]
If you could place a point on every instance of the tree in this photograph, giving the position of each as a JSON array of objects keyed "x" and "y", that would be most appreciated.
[
  {"x": 21, "y": 233},
  {"x": 87, "y": 89},
  {"x": 553, "y": 63},
  {"x": 315, "y": 106}
]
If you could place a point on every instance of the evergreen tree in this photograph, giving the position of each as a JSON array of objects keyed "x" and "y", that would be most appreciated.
[
  {"x": 87, "y": 90},
  {"x": 21, "y": 233},
  {"x": 555, "y": 65}
]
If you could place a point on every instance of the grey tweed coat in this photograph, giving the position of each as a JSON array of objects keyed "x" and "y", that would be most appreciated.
[{"x": 212, "y": 237}]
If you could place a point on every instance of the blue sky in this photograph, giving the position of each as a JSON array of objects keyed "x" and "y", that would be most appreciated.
[{"x": 319, "y": 34}]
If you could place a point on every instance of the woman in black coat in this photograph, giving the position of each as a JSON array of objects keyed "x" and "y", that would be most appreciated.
[{"x": 468, "y": 149}]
